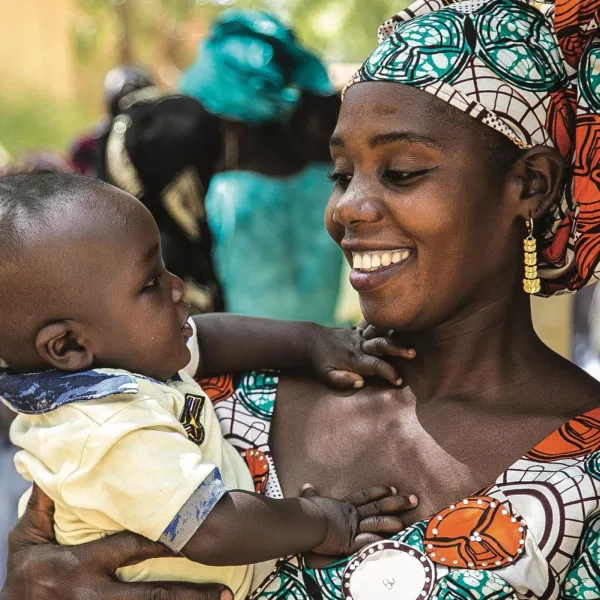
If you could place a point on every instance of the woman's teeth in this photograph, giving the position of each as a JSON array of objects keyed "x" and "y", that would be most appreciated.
[{"x": 372, "y": 261}]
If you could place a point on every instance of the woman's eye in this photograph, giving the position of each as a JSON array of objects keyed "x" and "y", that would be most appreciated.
[
  {"x": 153, "y": 285},
  {"x": 341, "y": 180},
  {"x": 400, "y": 177}
]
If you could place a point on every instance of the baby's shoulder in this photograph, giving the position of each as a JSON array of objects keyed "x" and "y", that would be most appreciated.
[{"x": 148, "y": 402}]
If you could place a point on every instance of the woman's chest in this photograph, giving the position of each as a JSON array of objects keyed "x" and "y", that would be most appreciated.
[{"x": 340, "y": 443}]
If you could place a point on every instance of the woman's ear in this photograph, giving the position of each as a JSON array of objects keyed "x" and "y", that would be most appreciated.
[
  {"x": 62, "y": 346},
  {"x": 540, "y": 174}
]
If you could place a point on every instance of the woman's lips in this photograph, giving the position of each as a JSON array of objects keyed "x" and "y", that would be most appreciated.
[{"x": 363, "y": 281}]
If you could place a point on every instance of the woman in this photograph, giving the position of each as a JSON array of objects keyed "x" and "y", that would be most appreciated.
[
  {"x": 265, "y": 208},
  {"x": 460, "y": 129}
]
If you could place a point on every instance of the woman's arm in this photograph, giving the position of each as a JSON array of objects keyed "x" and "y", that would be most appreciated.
[{"x": 39, "y": 569}]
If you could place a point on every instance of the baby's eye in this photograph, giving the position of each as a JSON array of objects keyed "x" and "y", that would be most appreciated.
[{"x": 152, "y": 285}]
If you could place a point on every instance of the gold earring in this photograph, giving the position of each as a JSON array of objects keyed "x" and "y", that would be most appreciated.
[{"x": 531, "y": 283}]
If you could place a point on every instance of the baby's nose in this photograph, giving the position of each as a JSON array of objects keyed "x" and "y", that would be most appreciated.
[{"x": 178, "y": 289}]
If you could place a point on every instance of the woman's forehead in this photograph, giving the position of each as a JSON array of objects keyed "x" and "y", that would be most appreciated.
[{"x": 375, "y": 109}]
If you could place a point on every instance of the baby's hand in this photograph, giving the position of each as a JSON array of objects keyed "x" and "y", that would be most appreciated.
[
  {"x": 342, "y": 357},
  {"x": 360, "y": 518}
]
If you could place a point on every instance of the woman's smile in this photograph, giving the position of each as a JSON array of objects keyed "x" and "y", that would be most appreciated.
[{"x": 371, "y": 270}]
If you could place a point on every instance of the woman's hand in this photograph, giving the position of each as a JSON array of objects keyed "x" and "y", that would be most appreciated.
[
  {"x": 6, "y": 418},
  {"x": 343, "y": 357},
  {"x": 39, "y": 569}
]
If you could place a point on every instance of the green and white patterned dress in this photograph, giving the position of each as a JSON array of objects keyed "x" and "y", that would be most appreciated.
[{"x": 533, "y": 533}]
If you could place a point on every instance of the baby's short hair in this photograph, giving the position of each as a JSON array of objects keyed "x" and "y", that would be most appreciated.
[
  {"x": 27, "y": 200},
  {"x": 30, "y": 205}
]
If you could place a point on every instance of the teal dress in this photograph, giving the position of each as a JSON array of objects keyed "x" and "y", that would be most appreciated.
[{"x": 271, "y": 250}]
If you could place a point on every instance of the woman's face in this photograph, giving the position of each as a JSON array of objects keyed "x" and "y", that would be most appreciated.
[{"x": 418, "y": 210}]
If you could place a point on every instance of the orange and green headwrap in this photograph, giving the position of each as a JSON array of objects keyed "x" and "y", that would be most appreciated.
[{"x": 529, "y": 70}]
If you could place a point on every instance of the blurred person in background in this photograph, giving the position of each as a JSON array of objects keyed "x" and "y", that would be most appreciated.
[
  {"x": 244, "y": 150},
  {"x": 163, "y": 150},
  {"x": 87, "y": 153},
  {"x": 44, "y": 161},
  {"x": 265, "y": 207}
]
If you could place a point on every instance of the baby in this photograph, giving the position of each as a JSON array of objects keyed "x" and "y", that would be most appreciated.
[{"x": 111, "y": 423}]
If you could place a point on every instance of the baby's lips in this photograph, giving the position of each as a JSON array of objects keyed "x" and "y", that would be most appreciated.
[{"x": 187, "y": 330}]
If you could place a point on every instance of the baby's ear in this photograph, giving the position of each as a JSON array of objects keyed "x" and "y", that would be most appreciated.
[{"x": 62, "y": 346}]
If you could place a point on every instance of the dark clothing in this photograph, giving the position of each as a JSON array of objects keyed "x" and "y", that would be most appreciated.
[{"x": 164, "y": 151}]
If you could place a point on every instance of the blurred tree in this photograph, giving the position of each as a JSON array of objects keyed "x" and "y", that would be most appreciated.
[
  {"x": 163, "y": 34},
  {"x": 341, "y": 30}
]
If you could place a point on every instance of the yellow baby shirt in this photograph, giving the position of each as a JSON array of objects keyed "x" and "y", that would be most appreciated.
[{"x": 118, "y": 451}]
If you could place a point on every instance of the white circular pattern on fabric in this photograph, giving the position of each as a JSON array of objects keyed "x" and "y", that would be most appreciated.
[{"x": 388, "y": 571}]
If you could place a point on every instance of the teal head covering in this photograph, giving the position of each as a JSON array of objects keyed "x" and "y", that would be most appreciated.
[
  {"x": 531, "y": 71},
  {"x": 251, "y": 68}
]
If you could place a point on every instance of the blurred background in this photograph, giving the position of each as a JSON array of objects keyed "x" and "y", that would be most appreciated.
[{"x": 60, "y": 67}]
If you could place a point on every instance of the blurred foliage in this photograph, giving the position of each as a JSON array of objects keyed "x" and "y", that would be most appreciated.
[
  {"x": 342, "y": 31},
  {"x": 36, "y": 122},
  {"x": 339, "y": 30},
  {"x": 163, "y": 34}
]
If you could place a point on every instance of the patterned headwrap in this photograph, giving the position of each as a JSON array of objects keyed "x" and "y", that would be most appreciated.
[{"x": 529, "y": 70}]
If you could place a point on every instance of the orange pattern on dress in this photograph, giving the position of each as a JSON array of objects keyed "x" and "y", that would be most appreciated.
[
  {"x": 575, "y": 439},
  {"x": 478, "y": 532},
  {"x": 217, "y": 388},
  {"x": 259, "y": 468}
]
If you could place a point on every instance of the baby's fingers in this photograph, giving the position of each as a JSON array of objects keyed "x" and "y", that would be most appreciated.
[
  {"x": 382, "y": 525},
  {"x": 344, "y": 380},
  {"x": 370, "y": 495},
  {"x": 382, "y": 346},
  {"x": 377, "y": 367},
  {"x": 391, "y": 505},
  {"x": 368, "y": 332}
]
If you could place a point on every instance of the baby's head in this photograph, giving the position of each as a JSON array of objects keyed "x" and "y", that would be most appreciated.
[{"x": 82, "y": 280}]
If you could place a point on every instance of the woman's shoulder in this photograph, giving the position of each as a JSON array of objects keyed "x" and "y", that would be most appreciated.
[{"x": 570, "y": 388}]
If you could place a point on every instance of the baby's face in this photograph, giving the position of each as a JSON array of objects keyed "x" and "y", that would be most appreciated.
[
  {"x": 98, "y": 272},
  {"x": 139, "y": 313}
]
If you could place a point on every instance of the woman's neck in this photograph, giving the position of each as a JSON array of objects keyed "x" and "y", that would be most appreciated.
[{"x": 477, "y": 355}]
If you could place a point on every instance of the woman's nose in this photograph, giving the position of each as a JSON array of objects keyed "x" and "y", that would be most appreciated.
[{"x": 357, "y": 205}]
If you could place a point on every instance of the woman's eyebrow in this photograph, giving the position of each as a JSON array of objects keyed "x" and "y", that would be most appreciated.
[{"x": 394, "y": 137}]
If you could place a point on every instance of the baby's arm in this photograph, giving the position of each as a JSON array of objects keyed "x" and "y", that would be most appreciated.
[
  {"x": 244, "y": 528},
  {"x": 230, "y": 343},
  {"x": 339, "y": 356}
]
